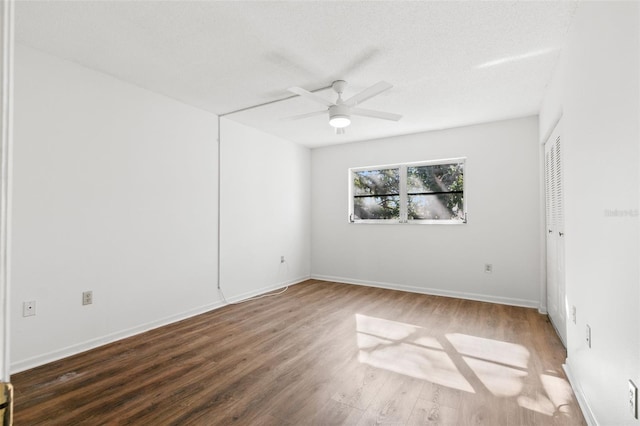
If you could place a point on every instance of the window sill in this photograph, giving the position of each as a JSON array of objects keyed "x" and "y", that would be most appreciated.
[{"x": 410, "y": 223}]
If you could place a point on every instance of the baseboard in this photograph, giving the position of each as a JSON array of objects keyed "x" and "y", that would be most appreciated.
[
  {"x": 580, "y": 396},
  {"x": 56, "y": 355},
  {"x": 434, "y": 291},
  {"x": 110, "y": 338},
  {"x": 263, "y": 290}
]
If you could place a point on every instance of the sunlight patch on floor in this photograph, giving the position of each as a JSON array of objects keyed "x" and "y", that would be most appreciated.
[
  {"x": 500, "y": 380},
  {"x": 559, "y": 391},
  {"x": 414, "y": 361},
  {"x": 491, "y": 350},
  {"x": 557, "y": 398},
  {"x": 392, "y": 330},
  {"x": 540, "y": 403},
  {"x": 499, "y": 367},
  {"x": 400, "y": 348}
]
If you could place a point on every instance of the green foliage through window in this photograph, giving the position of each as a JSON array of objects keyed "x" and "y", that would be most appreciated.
[
  {"x": 431, "y": 191},
  {"x": 376, "y": 194},
  {"x": 435, "y": 192}
]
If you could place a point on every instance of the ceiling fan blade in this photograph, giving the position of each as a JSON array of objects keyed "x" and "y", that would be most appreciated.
[
  {"x": 307, "y": 115},
  {"x": 311, "y": 96},
  {"x": 376, "y": 114},
  {"x": 372, "y": 91}
]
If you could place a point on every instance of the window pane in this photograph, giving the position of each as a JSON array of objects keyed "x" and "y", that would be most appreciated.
[
  {"x": 430, "y": 192},
  {"x": 435, "y": 178},
  {"x": 435, "y": 207},
  {"x": 377, "y": 207},
  {"x": 376, "y": 182}
]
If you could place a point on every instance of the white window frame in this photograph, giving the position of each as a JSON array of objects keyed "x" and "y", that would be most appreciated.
[{"x": 404, "y": 196}]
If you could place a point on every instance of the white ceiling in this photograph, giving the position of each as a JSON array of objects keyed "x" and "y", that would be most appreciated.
[{"x": 451, "y": 63}]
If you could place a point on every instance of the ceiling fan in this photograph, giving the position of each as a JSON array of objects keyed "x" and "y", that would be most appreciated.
[{"x": 340, "y": 111}]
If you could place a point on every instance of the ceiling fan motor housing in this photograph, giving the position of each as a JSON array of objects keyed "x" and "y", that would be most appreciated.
[
  {"x": 339, "y": 116},
  {"x": 339, "y": 86}
]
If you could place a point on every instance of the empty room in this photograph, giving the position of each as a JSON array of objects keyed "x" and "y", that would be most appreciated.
[{"x": 320, "y": 213}]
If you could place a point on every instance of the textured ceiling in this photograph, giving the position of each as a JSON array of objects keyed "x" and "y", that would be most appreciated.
[{"x": 451, "y": 63}]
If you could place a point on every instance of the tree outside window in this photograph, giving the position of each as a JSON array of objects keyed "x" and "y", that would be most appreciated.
[{"x": 426, "y": 192}]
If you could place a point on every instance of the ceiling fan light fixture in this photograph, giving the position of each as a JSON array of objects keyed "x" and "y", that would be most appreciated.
[
  {"x": 340, "y": 121},
  {"x": 339, "y": 116}
]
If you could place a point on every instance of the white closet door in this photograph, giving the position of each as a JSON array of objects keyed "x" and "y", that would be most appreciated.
[
  {"x": 552, "y": 287},
  {"x": 556, "y": 294}
]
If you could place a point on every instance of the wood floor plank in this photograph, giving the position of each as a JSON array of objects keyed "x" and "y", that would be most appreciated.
[
  {"x": 394, "y": 403},
  {"x": 432, "y": 413},
  {"x": 321, "y": 353},
  {"x": 336, "y": 413},
  {"x": 360, "y": 385}
]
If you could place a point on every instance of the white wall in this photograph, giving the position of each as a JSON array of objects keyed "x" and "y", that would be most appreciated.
[
  {"x": 264, "y": 214},
  {"x": 596, "y": 88},
  {"x": 114, "y": 192},
  {"x": 502, "y": 179}
]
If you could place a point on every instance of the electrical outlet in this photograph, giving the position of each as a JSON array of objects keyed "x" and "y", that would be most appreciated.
[
  {"x": 87, "y": 297},
  {"x": 488, "y": 268},
  {"x": 633, "y": 399},
  {"x": 573, "y": 314},
  {"x": 29, "y": 308},
  {"x": 588, "y": 336},
  {"x": 281, "y": 259}
]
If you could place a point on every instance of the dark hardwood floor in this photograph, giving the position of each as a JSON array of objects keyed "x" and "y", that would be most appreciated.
[{"x": 320, "y": 354}]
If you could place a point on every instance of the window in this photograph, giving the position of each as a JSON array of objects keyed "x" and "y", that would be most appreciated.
[
  {"x": 376, "y": 194},
  {"x": 425, "y": 192}
]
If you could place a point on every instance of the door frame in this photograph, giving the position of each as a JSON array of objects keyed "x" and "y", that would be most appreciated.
[
  {"x": 556, "y": 131},
  {"x": 6, "y": 139},
  {"x": 542, "y": 307}
]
